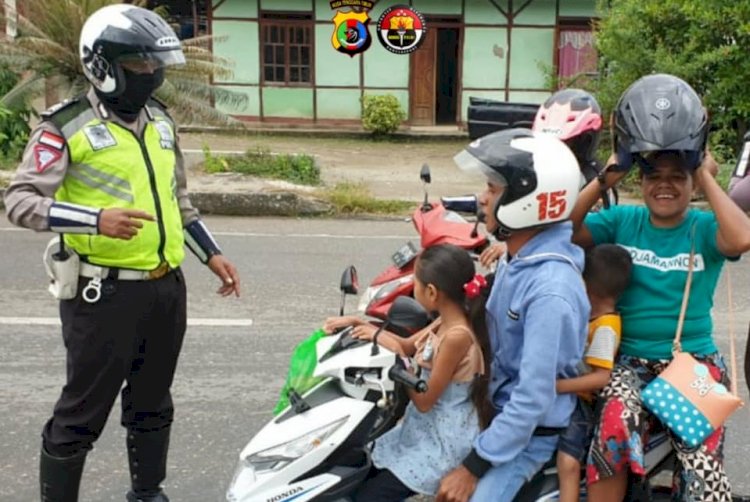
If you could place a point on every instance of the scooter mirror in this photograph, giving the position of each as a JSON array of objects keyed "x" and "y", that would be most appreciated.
[
  {"x": 424, "y": 174},
  {"x": 407, "y": 314},
  {"x": 349, "y": 283}
]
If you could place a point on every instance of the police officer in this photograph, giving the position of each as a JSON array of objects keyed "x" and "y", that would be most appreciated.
[{"x": 105, "y": 172}]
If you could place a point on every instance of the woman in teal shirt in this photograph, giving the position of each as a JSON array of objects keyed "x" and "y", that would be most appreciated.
[{"x": 661, "y": 125}]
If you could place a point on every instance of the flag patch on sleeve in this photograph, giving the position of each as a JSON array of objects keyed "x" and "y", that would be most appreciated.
[
  {"x": 45, "y": 156},
  {"x": 53, "y": 140}
]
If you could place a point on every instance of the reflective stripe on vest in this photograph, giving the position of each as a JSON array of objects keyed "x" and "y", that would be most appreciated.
[{"x": 110, "y": 167}]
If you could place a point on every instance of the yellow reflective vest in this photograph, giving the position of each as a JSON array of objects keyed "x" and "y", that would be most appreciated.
[{"x": 111, "y": 166}]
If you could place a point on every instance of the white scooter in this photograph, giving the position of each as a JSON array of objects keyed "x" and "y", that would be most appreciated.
[{"x": 319, "y": 447}]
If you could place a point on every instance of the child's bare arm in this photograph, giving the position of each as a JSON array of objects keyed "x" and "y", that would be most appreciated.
[
  {"x": 591, "y": 382},
  {"x": 452, "y": 351},
  {"x": 391, "y": 341}
]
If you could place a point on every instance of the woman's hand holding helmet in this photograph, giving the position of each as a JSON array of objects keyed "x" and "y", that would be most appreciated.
[
  {"x": 612, "y": 172},
  {"x": 708, "y": 167}
]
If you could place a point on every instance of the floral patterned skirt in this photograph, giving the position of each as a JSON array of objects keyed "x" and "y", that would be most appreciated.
[{"x": 624, "y": 425}]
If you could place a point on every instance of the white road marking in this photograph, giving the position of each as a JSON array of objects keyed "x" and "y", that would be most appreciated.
[
  {"x": 54, "y": 321},
  {"x": 275, "y": 235},
  {"x": 314, "y": 236}
]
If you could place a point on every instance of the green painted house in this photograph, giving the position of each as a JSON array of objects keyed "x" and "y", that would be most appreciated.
[{"x": 286, "y": 65}]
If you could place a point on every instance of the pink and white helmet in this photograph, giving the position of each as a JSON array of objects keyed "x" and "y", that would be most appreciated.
[{"x": 574, "y": 116}]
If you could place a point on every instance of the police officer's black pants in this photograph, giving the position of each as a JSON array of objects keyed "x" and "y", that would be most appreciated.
[{"x": 133, "y": 334}]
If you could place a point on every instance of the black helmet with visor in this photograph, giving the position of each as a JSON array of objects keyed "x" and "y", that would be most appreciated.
[
  {"x": 123, "y": 39},
  {"x": 659, "y": 113}
]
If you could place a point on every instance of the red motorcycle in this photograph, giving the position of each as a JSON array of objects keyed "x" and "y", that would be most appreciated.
[{"x": 436, "y": 223}]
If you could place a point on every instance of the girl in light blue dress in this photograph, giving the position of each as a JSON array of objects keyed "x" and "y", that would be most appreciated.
[{"x": 439, "y": 426}]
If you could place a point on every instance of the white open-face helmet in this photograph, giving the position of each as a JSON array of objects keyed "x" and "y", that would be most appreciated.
[
  {"x": 120, "y": 34},
  {"x": 539, "y": 172}
]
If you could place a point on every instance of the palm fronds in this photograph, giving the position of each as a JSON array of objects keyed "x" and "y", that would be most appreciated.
[{"x": 47, "y": 47}]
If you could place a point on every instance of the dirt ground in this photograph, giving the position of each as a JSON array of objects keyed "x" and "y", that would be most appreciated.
[{"x": 390, "y": 169}]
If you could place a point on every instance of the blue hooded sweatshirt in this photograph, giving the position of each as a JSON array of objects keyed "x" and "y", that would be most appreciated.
[{"x": 537, "y": 317}]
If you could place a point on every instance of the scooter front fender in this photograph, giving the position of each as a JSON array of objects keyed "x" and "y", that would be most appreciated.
[{"x": 300, "y": 491}]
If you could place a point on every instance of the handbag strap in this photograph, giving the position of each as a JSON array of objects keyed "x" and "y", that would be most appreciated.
[
  {"x": 732, "y": 350},
  {"x": 676, "y": 346}
]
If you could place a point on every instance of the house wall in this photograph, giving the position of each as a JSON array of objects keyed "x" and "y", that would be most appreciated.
[{"x": 500, "y": 60}]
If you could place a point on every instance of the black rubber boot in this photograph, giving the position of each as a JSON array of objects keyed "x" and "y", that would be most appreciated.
[
  {"x": 147, "y": 457},
  {"x": 60, "y": 477}
]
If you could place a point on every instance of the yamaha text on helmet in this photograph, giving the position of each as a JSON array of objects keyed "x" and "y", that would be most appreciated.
[
  {"x": 539, "y": 174},
  {"x": 574, "y": 116},
  {"x": 124, "y": 50},
  {"x": 657, "y": 113}
]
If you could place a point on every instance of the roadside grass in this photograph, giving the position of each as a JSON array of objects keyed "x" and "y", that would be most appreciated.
[
  {"x": 345, "y": 199},
  {"x": 349, "y": 199},
  {"x": 335, "y": 137},
  {"x": 300, "y": 169}
]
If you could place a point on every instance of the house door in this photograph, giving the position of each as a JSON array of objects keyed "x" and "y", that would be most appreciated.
[
  {"x": 422, "y": 72},
  {"x": 434, "y": 76}
]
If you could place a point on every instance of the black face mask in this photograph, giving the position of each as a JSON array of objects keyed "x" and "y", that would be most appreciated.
[{"x": 138, "y": 88}]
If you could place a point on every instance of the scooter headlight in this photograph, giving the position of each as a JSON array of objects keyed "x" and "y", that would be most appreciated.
[
  {"x": 276, "y": 457},
  {"x": 377, "y": 293}
]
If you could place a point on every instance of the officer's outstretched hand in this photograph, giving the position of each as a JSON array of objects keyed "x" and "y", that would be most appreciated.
[
  {"x": 120, "y": 223},
  {"x": 230, "y": 279}
]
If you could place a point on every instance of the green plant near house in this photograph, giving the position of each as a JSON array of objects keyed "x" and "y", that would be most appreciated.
[
  {"x": 301, "y": 169},
  {"x": 45, "y": 51},
  {"x": 381, "y": 114}
]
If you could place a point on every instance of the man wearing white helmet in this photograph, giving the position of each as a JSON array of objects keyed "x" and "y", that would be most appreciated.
[
  {"x": 537, "y": 312},
  {"x": 104, "y": 171}
]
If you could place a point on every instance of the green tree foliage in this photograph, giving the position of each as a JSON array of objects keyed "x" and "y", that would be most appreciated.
[
  {"x": 47, "y": 47},
  {"x": 705, "y": 42},
  {"x": 14, "y": 127}
]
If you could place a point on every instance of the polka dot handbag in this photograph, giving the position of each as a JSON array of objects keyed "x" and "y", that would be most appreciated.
[
  {"x": 685, "y": 396},
  {"x": 688, "y": 400}
]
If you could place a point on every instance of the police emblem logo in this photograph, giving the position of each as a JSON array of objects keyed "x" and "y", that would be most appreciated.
[
  {"x": 165, "y": 135},
  {"x": 99, "y": 136},
  {"x": 350, "y": 34},
  {"x": 401, "y": 29}
]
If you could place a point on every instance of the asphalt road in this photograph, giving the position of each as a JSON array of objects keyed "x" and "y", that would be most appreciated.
[{"x": 230, "y": 372}]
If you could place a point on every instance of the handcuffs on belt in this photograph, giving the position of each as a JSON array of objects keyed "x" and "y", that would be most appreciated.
[{"x": 92, "y": 292}]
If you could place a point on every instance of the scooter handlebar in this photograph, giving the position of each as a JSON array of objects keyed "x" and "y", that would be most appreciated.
[
  {"x": 461, "y": 203},
  {"x": 401, "y": 375}
]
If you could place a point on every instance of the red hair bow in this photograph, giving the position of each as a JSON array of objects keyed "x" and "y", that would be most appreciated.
[{"x": 474, "y": 286}]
